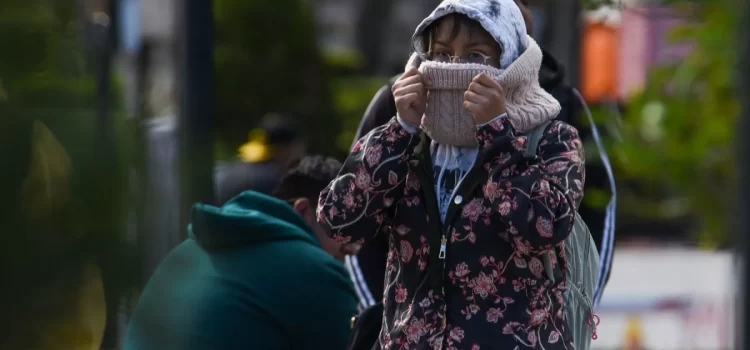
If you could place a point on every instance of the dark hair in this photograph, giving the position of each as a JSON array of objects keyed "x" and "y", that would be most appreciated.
[
  {"x": 307, "y": 178},
  {"x": 459, "y": 21},
  {"x": 281, "y": 129}
]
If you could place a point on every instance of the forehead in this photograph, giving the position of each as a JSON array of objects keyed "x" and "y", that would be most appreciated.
[{"x": 460, "y": 28}]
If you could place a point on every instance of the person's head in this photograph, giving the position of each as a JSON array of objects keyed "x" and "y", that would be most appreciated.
[
  {"x": 278, "y": 138},
  {"x": 301, "y": 186},
  {"x": 460, "y": 39},
  {"x": 491, "y": 32}
]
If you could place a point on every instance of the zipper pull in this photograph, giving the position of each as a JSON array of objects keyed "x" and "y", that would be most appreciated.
[{"x": 443, "y": 242}]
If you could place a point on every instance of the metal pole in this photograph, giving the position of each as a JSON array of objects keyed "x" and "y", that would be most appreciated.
[
  {"x": 197, "y": 103},
  {"x": 564, "y": 36}
]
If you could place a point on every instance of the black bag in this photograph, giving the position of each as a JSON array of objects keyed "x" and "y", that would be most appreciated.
[{"x": 366, "y": 328}]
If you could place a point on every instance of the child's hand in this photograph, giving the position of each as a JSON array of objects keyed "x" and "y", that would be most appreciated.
[
  {"x": 410, "y": 95},
  {"x": 485, "y": 99}
]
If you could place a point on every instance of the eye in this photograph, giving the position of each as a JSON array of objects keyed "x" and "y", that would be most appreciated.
[
  {"x": 440, "y": 56},
  {"x": 475, "y": 57}
]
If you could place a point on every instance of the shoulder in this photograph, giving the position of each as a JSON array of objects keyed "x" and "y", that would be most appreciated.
[
  {"x": 558, "y": 137},
  {"x": 308, "y": 262},
  {"x": 569, "y": 103},
  {"x": 560, "y": 129},
  {"x": 313, "y": 282}
]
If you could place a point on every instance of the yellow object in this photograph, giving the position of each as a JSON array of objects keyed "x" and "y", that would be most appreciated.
[
  {"x": 257, "y": 148},
  {"x": 83, "y": 326},
  {"x": 47, "y": 187},
  {"x": 634, "y": 335}
]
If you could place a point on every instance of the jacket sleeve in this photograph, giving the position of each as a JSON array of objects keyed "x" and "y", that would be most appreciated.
[
  {"x": 534, "y": 198},
  {"x": 381, "y": 109},
  {"x": 371, "y": 182}
]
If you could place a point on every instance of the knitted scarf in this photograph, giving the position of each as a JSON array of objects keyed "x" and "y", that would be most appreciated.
[{"x": 446, "y": 121}]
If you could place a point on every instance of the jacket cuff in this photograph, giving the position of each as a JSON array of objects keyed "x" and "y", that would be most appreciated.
[
  {"x": 493, "y": 130},
  {"x": 504, "y": 115},
  {"x": 409, "y": 127}
]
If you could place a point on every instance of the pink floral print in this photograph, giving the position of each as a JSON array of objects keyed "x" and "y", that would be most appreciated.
[{"x": 495, "y": 293}]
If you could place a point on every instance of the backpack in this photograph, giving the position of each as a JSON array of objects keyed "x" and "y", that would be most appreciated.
[{"x": 583, "y": 265}]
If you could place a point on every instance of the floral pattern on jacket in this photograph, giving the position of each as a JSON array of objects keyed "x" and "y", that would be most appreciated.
[{"x": 495, "y": 293}]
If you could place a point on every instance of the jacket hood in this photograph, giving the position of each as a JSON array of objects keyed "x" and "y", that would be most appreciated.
[
  {"x": 501, "y": 18},
  {"x": 248, "y": 219}
]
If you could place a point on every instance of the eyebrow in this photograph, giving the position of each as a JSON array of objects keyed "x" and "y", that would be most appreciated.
[
  {"x": 477, "y": 44},
  {"x": 470, "y": 44}
]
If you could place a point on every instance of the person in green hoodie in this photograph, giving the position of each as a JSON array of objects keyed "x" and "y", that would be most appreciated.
[{"x": 251, "y": 275}]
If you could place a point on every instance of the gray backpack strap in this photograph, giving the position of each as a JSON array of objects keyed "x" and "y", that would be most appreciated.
[{"x": 533, "y": 138}]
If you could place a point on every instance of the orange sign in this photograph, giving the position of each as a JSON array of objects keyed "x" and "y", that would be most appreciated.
[{"x": 599, "y": 62}]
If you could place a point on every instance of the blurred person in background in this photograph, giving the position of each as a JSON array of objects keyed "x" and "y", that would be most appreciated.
[
  {"x": 263, "y": 160},
  {"x": 369, "y": 265},
  {"x": 452, "y": 163},
  {"x": 251, "y": 275}
]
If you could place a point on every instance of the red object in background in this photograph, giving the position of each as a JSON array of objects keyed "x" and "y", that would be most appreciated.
[{"x": 600, "y": 62}]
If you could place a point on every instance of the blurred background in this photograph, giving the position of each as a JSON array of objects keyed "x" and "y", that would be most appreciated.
[{"x": 115, "y": 113}]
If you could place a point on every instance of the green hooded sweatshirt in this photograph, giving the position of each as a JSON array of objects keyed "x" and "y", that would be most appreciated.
[{"x": 252, "y": 275}]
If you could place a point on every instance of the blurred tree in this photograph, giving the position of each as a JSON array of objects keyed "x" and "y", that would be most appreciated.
[
  {"x": 352, "y": 96},
  {"x": 679, "y": 131},
  {"x": 267, "y": 60},
  {"x": 62, "y": 211}
]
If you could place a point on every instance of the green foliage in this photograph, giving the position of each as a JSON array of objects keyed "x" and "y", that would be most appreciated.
[
  {"x": 352, "y": 96},
  {"x": 44, "y": 77},
  {"x": 267, "y": 60},
  {"x": 679, "y": 132}
]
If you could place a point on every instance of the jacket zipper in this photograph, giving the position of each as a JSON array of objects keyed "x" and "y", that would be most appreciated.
[
  {"x": 443, "y": 243},
  {"x": 423, "y": 172}
]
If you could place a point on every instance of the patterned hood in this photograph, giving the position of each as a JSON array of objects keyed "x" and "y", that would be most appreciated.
[{"x": 501, "y": 18}]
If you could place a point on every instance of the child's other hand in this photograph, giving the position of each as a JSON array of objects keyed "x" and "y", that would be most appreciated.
[{"x": 485, "y": 99}]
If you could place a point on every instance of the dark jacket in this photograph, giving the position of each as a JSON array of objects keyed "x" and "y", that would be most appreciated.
[
  {"x": 370, "y": 261},
  {"x": 491, "y": 275},
  {"x": 251, "y": 276}
]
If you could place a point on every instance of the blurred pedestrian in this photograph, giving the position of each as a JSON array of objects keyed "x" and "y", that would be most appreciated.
[
  {"x": 474, "y": 223},
  {"x": 369, "y": 265},
  {"x": 251, "y": 275},
  {"x": 263, "y": 160}
]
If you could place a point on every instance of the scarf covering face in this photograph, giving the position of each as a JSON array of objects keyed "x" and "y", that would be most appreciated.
[{"x": 446, "y": 121}]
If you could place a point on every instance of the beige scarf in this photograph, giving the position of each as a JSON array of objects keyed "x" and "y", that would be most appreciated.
[{"x": 446, "y": 121}]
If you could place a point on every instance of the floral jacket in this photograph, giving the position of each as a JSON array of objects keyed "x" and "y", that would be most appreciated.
[{"x": 477, "y": 281}]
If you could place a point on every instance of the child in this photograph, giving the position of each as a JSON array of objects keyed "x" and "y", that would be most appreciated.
[{"x": 470, "y": 219}]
